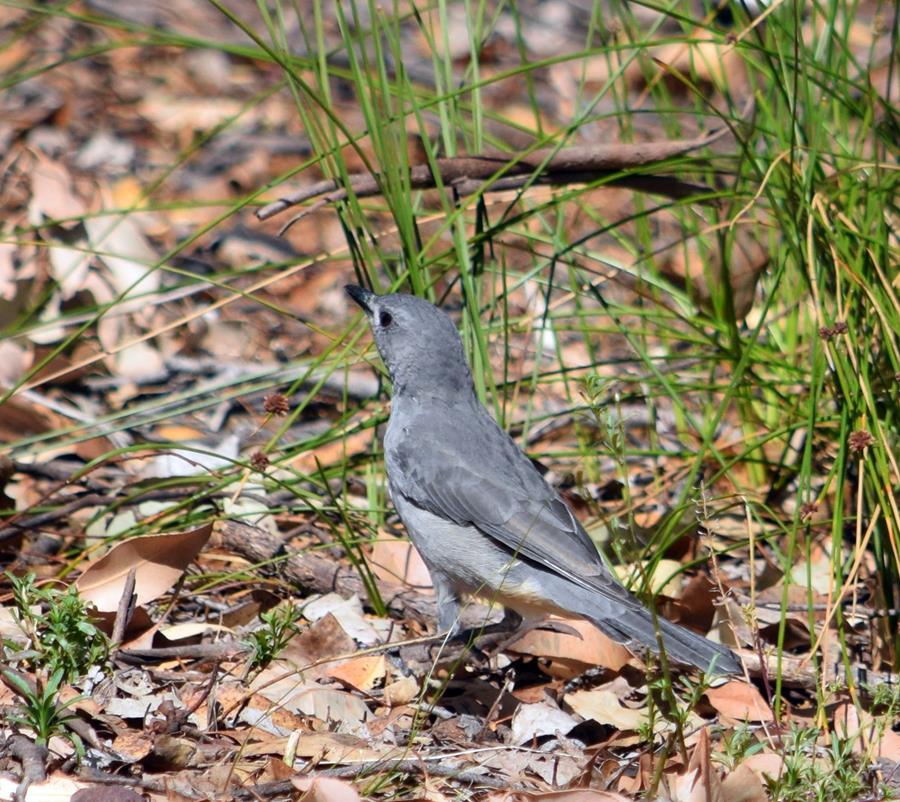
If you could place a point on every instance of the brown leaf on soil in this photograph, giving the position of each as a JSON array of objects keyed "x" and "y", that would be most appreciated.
[
  {"x": 52, "y": 194},
  {"x": 765, "y": 764},
  {"x": 158, "y": 560},
  {"x": 329, "y": 747},
  {"x": 575, "y": 795},
  {"x": 331, "y": 453},
  {"x": 396, "y": 560},
  {"x": 743, "y": 785},
  {"x": 592, "y": 649},
  {"x": 362, "y": 672},
  {"x": 131, "y": 746},
  {"x": 324, "y": 640},
  {"x": 604, "y": 707},
  {"x": 867, "y": 734},
  {"x": 401, "y": 692},
  {"x": 325, "y": 789},
  {"x": 19, "y": 417},
  {"x": 700, "y": 781},
  {"x": 739, "y": 701}
]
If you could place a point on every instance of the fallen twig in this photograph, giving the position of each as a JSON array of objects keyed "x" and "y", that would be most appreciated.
[{"x": 571, "y": 165}]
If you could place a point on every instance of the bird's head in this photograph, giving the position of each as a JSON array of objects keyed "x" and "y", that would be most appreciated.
[{"x": 419, "y": 344}]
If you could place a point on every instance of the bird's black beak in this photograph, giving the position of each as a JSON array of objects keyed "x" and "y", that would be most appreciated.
[{"x": 361, "y": 295}]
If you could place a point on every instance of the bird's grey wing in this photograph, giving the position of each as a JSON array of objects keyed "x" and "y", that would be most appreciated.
[{"x": 498, "y": 490}]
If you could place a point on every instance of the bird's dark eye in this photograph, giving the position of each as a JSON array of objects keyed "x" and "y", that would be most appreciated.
[{"x": 385, "y": 319}]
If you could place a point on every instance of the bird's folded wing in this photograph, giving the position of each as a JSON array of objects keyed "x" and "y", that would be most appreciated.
[{"x": 524, "y": 516}]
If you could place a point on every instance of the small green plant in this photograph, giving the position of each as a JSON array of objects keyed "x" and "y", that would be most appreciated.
[
  {"x": 60, "y": 635},
  {"x": 279, "y": 625},
  {"x": 61, "y": 644},
  {"x": 41, "y": 710},
  {"x": 815, "y": 773},
  {"x": 738, "y": 744}
]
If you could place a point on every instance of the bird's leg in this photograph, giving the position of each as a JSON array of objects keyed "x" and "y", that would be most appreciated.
[
  {"x": 512, "y": 621},
  {"x": 487, "y": 634},
  {"x": 447, "y": 604}
]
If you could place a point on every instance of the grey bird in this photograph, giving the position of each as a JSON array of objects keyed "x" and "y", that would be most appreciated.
[{"x": 481, "y": 515}]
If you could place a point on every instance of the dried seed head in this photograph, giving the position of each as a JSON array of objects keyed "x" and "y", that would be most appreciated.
[
  {"x": 276, "y": 404},
  {"x": 859, "y": 441},
  {"x": 829, "y": 332},
  {"x": 259, "y": 461}
]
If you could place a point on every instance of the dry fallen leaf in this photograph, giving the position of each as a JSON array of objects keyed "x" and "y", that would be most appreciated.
[
  {"x": 765, "y": 764},
  {"x": 316, "y": 649},
  {"x": 739, "y": 701},
  {"x": 593, "y": 648},
  {"x": 131, "y": 746},
  {"x": 604, "y": 707},
  {"x": 57, "y": 788},
  {"x": 575, "y": 795},
  {"x": 341, "y": 710},
  {"x": 743, "y": 785},
  {"x": 401, "y": 692},
  {"x": 395, "y": 560},
  {"x": 700, "y": 781},
  {"x": 532, "y": 721},
  {"x": 867, "y": 734},
  {"x": 325, "y": 789},
  {"x": 158, "y": 561},
  {"x": 347, "y": 611},
  {"x": 362, "y": 672},
  {"x": 122, "y": 246},
  {"x": 329, "y": 747},
  {"x": 52, "y": 196}
]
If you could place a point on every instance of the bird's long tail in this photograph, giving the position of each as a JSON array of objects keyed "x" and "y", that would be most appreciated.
[{"x": 636, "y": 627}]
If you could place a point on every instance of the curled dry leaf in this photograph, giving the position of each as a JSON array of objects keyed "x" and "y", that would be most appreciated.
[{"x": 158, "y": 561}]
